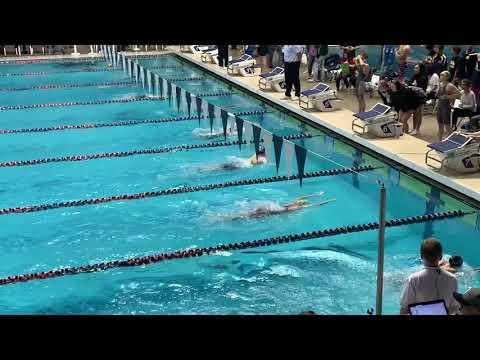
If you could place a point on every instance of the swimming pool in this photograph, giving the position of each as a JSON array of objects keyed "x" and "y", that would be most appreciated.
[{"x": 331, "y": 275}]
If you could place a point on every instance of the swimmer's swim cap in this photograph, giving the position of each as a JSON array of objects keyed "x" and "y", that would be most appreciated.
[
  {"x": 301, "y": 202},
  {"x": 455, "y": 261}
]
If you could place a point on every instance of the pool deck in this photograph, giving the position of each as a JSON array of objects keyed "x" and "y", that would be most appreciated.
[{"x": 407, "y": 150}]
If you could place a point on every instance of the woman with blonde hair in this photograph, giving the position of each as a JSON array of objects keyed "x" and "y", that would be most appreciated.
[{"x": 447, "y": 93}]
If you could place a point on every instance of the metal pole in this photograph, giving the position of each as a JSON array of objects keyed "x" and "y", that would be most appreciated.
[{"x": 381, "y": 248}]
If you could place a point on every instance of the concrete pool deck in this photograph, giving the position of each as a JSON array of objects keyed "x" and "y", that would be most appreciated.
[{"x": 407, "y": 150}]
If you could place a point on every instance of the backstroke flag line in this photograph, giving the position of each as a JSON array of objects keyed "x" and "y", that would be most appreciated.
[
  {"x": 239, "y": 122},
  {"x": 277, "y": 145},
  {"x": 289, "y": 150},
  {"x": 301, "y": 154}
]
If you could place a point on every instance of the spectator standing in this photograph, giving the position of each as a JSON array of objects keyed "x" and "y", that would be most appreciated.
[
  {"x": 222, "y": 55},
  {"x": 349, "y": 52},
  {"x": 420, "y": 99},
  {"x": 431, "y": 283},
  {"x": 447, "y": 93},
  {"x": 476, "y": 76},
  {"x": 420, "y": 77},
  {"x": 363, "y": 70},
  {"x": 320, "y": 62},
  {"x": 468, "y": 103},
  {"x": 433, "y": 82},
  {"x": 262, "y": 52},
  {"x": 311, "y": 55},
  {"x": 347, "y": 74},
  {"x": 402, "y": 57},
  {"x": 439, "y": 57},
  {"x": 292, "y": 55},
  {"x": 457, "y": 66},
  {"x": 277, "y": 57},
  {"x": 470, "y": 62}
]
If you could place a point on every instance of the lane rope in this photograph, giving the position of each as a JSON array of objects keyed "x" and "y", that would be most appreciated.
[
  {"x": 119, "y": 154},
  {"x": 120, "y": 123},
  {"x": 108, "y": 101},
  {"x": 76, "y": 103},
  {"x": 180, "y": 190},
  {"x": 66, "y": 86},
  {"x": 183, "y": 254}
]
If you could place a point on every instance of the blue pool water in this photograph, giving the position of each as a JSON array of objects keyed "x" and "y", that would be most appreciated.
[{"x": 334, "y": 275}]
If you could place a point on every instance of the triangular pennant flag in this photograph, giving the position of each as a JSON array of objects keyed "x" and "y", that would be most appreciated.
[
  {"x": 211, "y": 115},
  {"x": 277, "y": 146},
  {"x": 141, "y": 76},
  {"x": 150, "y": 82},
  {"x": 301, "y": 154},
  {"x": 179, "y": 97},
  {"x": 161, "y": 86},
  {"x": 224, "y": 116},
  {"x": 248, "y": 132},
  {"x": 289, "y": 150},
  {"x": 188, "y": 98},
  {"x": 199, "y": 107},
  {"x": 156, "y": 85},
  {"x": 169, "y": 92},
  {"x": 239, "y": 122},
  {"x": 268, "y": 143},
  {"x": 135, "y": 70},
  {"x": 256, "y": 138},
  {"x": 145, "y": 77}
]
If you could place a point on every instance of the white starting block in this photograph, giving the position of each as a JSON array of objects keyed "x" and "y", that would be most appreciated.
[
  {"x": 210, "y": 55},
  {"x": 320, "y": 97},
  {"x": 194, "y": 49},
  {"x": 457, "y": 152},
  {"x": 378, "y": 121},
  {"x": 243, "y": 66},
  {"x": 274, "y": 80}
]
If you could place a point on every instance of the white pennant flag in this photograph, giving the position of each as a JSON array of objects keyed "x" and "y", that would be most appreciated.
[
  {"x": 217, "y": 123},
  {"x": 231, "y": 124},
  {"x": 268, "y": 144},
  {"x": 248, "y": 132},
  {"x": 157, "y": 84},
  {"x": 165, "y": 88},
  {"x": 289, "y": 150},
  {"x": 205, "y": 113},
  {"x": 183, "y": 101},
  {"x": 174, "y": 95}
]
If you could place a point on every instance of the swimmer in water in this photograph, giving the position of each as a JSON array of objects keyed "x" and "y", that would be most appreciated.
[
  {"x": 255, "y": 159},
  {"x": 453, "y": 265},
  {"x": 109, "y": 65},
  {"x": 216, "y": 133},
  {"x": 263, "y": 211}
]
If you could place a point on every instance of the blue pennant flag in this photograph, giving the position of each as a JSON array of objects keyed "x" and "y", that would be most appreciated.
[{"x": 301, "y": 155}]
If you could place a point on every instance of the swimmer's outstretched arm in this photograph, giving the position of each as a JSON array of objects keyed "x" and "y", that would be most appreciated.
[
  {"x": 321, "y": 203},
  {"x": 312, "y": 195}
]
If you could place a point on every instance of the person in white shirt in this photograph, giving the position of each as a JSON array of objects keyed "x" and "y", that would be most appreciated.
[
  {"x": 433, "y": 82},
  {"x": 468, "y": 103},
  {"x": 430, "y": 283},
  {"x": 292, "y": 56}
]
